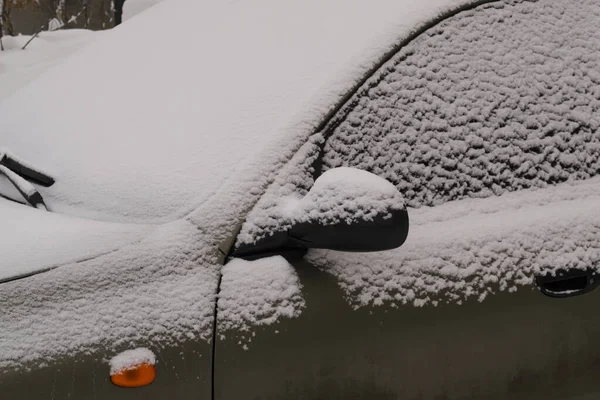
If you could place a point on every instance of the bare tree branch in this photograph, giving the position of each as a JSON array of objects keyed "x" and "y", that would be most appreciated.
[
  {"x": 61, "y": 26},
  {"x": 1, "y": 24}
]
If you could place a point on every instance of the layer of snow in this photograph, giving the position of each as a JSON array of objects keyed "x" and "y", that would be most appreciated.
[
  {"x": 185, "y": 95},
  {"x": 271, "y": 213},
  {"x": 258, "y": 293},
  {"x": 348, "y": 194},
  {"x": 500, "y": 98},
  {"x": 34, "y": 240},
  {"x": 459, "y": 113},
  {"x": 129, "y": 359},
  {"x": 577, "y": 190},
  {"x": 153, "y": 293},
  {"x": 473, "y": 247},
  {"x": 23, "y": 186},
  {"x": 19, "y": 67},
  {"x": 210, "y": 139},
  {"x": 131, "y": 8}
]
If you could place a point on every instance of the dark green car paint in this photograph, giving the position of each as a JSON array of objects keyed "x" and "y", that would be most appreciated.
[
  {"x": 182, "y": 372},
  {"x": 514, "y": 346}
]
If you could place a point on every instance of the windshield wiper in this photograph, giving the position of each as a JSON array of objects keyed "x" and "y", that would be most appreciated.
[{"x": 20, "y": 173}]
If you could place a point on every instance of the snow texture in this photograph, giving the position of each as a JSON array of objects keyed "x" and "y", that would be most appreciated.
[
  {"x": 272, "y": 212},
  {"x": 489, "y": 124},
  {"x": 346, "y": 195},
  {"x": 339, "y": 194},
  {"x": 21, "y": 184},
  {"x": 20, "y": 67},
  {"x": 257, "y": 293},
  {"x": 497, "y": 99},
  {"x": 154, "y": 293},
  {"x": 156, "y": 134},
  {"x": 204, "y": 144},
  {"x": 36, "y": 240},
  {"x": 131, "y": 8},
  {"x": 129, "y": 359},
  {"x": 55, "y": 23},
  {"x": 474, "y": 247}
]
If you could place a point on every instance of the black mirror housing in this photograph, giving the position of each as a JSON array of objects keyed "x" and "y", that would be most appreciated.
[
  {"x": 346, "y": 210},
  {"x": 378, "y": 234}
]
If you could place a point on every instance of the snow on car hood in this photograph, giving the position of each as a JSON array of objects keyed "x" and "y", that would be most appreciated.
[
  {"x": 472, "y": 247},
  {"x": 19, "y": 67},
  {"x": 38, "y": 240},
  {"x": 171, "y": 113}
]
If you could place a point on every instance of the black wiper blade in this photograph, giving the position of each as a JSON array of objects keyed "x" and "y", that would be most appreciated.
[
  {"x": 18, "y": 173},
  {"x": 24, "y": 169}
]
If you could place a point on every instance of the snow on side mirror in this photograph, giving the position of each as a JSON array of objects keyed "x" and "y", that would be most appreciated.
[{"x": 347, "y": 209}]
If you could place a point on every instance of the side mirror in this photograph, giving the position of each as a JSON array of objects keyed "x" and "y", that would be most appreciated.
[{"x": 347, "y": 209}]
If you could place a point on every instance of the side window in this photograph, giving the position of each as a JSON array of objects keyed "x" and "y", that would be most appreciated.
[
  {"x": 488, "y": 102},
  {"x": 491, "y": 101}
]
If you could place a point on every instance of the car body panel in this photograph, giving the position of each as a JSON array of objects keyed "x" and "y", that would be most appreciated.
[
  {"x": 182, "y": 372},
  {"x": 61, "y": 327},
  {"x": 474, "y": 127},
  {"x": 40, "y": 240},
  {"x": 519, "y": 345}
]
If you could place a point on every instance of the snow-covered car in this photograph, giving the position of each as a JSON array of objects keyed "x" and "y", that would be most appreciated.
[{"x": 207, "y": 208}]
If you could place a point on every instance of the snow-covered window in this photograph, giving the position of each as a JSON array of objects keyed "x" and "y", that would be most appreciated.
[{"x": 497, "y": 99}]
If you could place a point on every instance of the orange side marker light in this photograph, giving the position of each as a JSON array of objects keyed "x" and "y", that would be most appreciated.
[
  {"x": 133, "y": 368},
  {"x": 135, "y": 376}
]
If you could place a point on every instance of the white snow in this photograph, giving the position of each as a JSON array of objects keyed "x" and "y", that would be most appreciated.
[
  {"x": 340, "y": 194},
  {"x": 152, "y": 293},
  {"x": 55, "y": 23},
  {"x": 500, "y": 98},
  {"x": 189, "y": 92},
  {"x": 197, "y": 106},
  {"x": 347, "y": 194},
  {"x": 258, "y": 292},
  {"x": 23, "y": 186},
  {"x": 272, "y": 212},
  {"x": 19, "y": 67},
  {"x": 474, "y": 247},
  {"x": 34, "y": 240},
  {"x": 460, "y": 114},
  {"x": 131, "y": 8},
  {"x": 129, "y": 359}
]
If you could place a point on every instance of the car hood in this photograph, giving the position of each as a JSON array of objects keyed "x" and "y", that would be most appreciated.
[
  {"x": 149, "y": 120},
  {"x": 38, "y": 240}
]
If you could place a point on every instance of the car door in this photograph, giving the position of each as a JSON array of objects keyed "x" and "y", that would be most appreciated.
[{"x": 487, "y": 124}]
